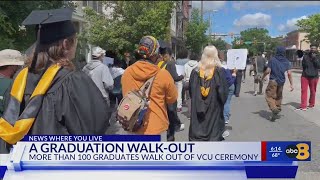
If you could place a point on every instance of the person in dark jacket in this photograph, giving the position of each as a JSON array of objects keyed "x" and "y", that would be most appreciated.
[
  {"x": 166, "y": 63},
  {"x": 10, "y": 62},
  {"x": 309, "y": 78},
  {"x": 277, "y": 67},
  {"x": 260, "y": 64},
  {"x": 230, "y": 77},
  {"x": 209, "y": 92}
]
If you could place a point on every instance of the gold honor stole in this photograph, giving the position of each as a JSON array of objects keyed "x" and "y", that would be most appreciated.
[
  {"x": 205, "y": 82},
  {"x": 24, "y": 121}
]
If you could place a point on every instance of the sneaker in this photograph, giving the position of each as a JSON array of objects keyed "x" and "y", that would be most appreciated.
[
  {"x": 225, "y": 134},
  {"x": 301, "y": 109},
  {"x": 226, "y": 122},
  {"x": 255, "y": 94},
  {"x": 273, "y": 117},
  {"x": 180, "y": 128},
  {"x": 275, "y": 113},
  {"x": 310, "y": 107}
]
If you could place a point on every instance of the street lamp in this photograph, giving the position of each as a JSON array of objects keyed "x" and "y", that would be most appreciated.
[{"x": 210, "y": 11}]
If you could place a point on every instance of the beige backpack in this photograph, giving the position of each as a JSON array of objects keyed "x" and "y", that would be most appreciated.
[{"x": 133, "y": 106}]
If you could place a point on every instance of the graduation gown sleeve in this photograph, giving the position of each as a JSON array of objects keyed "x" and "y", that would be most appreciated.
[{"x": 83, "y": 109}]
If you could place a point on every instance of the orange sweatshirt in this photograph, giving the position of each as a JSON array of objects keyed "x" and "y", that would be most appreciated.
[{"x": 163, "y": 92}]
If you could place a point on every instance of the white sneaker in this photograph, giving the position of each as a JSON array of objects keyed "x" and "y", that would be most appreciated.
[
  {"x": 301, "y": 109},
  {"x": 225, "y": 134},
  {"x": 181, "y": 128}
]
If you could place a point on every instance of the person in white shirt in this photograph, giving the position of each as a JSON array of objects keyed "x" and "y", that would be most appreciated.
[
  {"x": 116, "y": 72},
  {"x": 182, "y": 57},
  {"x": 99, "y": 73},
  {"x": 188, "y": 67}
]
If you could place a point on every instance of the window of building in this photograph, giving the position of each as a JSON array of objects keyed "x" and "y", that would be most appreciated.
[
  {"x": 100, "y": 7},
  {"x": 95, "y": 5},
  {"x": 84, "y": 3}
]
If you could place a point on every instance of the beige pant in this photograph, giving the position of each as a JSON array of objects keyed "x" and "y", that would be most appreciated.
[
  {"x": 258, "y": 81},
  {"x": 274, "y": 95},
  {"x": 179, "y": 88}
]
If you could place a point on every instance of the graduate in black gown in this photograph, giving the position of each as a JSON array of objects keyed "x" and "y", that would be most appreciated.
[
  {"x": 55, "y": 99},
  {"x": 208, "y": 91}
]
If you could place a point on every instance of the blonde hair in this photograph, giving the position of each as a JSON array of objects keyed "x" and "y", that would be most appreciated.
[{"x": 209, "y": 59}]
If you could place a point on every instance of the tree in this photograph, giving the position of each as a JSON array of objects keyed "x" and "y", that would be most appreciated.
[
  {"x": 219, "y": 43},
  {"x": 311, "y": 25},
  {"x": 195, "y": 34},
  {"x": 128, "y": 23},
  {"x": 11, "y": 16},
  {"x": 260, "y": 35}
]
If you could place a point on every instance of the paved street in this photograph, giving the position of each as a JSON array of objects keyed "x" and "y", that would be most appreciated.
[{"x": 249, "y": 122}]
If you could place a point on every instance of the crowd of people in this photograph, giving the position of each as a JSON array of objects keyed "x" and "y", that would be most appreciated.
[{"x": 43, "y": 93}]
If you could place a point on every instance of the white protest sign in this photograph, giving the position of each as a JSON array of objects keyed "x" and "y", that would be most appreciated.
[
  {"x": 180, "y": 69},
  {"x": 108, "y": 60},
  {"x": 237, "y": 58}
]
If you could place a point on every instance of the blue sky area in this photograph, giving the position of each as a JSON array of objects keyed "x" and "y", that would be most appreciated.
[{"x": 279, "y": 17}]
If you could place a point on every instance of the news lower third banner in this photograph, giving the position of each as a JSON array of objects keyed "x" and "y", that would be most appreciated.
[{"x": 131, "y": 152}]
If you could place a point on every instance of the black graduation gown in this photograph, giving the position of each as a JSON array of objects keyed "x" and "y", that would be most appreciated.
[
  {"x": 207, "y": 121},
  {"x": 73, "y": 105}
]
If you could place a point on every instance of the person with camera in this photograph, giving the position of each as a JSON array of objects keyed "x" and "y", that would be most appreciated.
[{"x": 309, "y": 78}]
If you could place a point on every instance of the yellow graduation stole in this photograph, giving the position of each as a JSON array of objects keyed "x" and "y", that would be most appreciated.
[
  {"x": 24, "y": 121},
  {"x": 162, "y": 64},
  {"x": 205, "y": 82}
]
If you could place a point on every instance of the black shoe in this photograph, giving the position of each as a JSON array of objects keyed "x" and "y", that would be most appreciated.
[
  {"x": 170, "y": 138},
  {"x": 273, "y": 117},
  {"x": 275, "y": 113}
]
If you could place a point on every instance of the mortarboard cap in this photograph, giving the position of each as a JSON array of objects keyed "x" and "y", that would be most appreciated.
[
  {"x": 51, "y": 26},
  {"x": 54, "y": 24}
]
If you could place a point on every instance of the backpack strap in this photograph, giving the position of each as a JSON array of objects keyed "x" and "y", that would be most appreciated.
[
  {"x": 146, "y": 87},
  {"x": 162, "y": 64}
]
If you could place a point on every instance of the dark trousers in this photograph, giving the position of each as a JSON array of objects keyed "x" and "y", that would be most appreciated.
[
  {"x": 237, "y": 83},
  {"x": 185, "y": 92},
  {"x": 114, "y": 98},
  {"x": 174, "y": 120},
  {"x": 244, "y": 73}
]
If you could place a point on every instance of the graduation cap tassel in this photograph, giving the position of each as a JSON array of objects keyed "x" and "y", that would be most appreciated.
[{"x": 35, "y": 56}]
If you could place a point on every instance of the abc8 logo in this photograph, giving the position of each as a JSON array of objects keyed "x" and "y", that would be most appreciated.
[{"x": 299, "y": 151}]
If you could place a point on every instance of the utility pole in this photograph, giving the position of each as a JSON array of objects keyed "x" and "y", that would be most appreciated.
[
  {"x": 202, "y": 10},
  {"x": 210, "y": 24}
]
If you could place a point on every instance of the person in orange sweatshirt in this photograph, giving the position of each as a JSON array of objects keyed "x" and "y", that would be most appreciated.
[{"x": 163, "y": 90}]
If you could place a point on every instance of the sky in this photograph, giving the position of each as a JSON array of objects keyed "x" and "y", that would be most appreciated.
[{"x": 278, "y": 17}]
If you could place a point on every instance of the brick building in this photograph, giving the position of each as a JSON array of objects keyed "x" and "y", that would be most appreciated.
[
  {"x": 179, "y": 22},
  {"x": 296, "y": 40}
]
